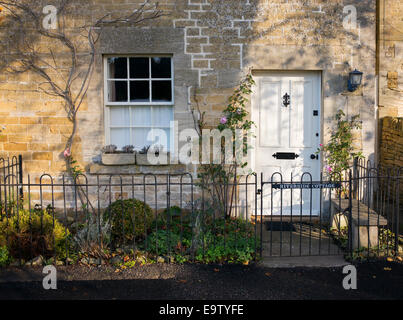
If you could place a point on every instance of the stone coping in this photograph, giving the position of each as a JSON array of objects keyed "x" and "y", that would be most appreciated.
[{"x": 360, "y": 210}]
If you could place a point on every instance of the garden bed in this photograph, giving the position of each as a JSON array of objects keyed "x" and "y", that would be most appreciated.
[{"x": 126, "y": 234}]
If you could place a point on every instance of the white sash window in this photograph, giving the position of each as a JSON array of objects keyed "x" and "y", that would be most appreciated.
[{"x": 139, "y": 96}]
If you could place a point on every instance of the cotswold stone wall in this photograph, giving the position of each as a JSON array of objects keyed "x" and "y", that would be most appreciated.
[
  {"x": 391, "y": 155},
  {"x": 390, "y": 48},
  {"x": 391, "y": 144},
  {"x": 213, "y": 44}
]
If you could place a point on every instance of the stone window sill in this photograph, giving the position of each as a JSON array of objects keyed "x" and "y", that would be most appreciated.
[{"x": 101, "y": 169}]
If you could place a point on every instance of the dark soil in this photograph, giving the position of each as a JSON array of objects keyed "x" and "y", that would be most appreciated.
[{"x": 376, "y": 280}]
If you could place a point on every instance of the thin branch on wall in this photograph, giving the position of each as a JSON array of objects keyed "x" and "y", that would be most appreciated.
[{"x": 68, "y": 74}]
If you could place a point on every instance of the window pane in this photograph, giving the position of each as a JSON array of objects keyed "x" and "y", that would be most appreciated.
[
  {"x": 161, "y": 67},
  {"x": 162, "y": 116},
  {"x": 139, "y": 68},
  {"x": 119, "y": 116},
  {"x": 141, "y": 116},
  {"x": 117, "y": 91},
  {"x": 117, "y": 68},
  {"x": 139, "y": 91},
  {"x": 167, "y": 146},
  {"x": 162, "y": 91},
  {"x": 140, "y": 138},
  {"x": 120, "y": 137}
]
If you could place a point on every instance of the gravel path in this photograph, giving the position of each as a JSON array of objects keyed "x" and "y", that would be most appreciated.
[{"x": 376, "y": 280}]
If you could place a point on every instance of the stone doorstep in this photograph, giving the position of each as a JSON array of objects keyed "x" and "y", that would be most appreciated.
[
  {"x": 360, "y": 213},
  {"x": 304, "y": 261}
]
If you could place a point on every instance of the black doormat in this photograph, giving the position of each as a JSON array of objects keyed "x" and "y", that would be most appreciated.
[{"x": 279, "y": 226}]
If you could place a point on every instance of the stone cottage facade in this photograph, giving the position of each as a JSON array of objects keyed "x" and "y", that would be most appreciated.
[{"x": 196, "y": 54}]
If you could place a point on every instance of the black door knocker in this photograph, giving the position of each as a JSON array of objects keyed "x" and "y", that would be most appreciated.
[{"x": 286, "y": 100}]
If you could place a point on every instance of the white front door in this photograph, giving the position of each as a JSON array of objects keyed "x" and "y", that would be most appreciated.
[{"x": 286, "y": 108}]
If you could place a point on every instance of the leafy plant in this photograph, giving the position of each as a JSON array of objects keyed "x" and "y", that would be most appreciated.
[
  {"x": 339, "y": 151},
  {"x": 93, "y": 234},
  {"x": 223, "y": 240},
  {"x": 129, "y": 219},
  {"x": 172, "y": 211},
  {"x": 386, "y": 239},
  {"x": 30, "y": 234},
  {"x": 166, "y": 241},
  {"x": 75, "y": 169},
  {"x": 228, "y": 240},
  {"x": 4, "y": 256}
]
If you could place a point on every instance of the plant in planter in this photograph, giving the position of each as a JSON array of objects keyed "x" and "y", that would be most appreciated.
[
  {"x": 109, "y": 149},
  {"x": 111, "y": 156},
  {"x": 152, "y": 155},
  {"x": 128, "y": 149}
]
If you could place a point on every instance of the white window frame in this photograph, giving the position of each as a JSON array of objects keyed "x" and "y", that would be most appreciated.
[{"x": 153, "y": 105}]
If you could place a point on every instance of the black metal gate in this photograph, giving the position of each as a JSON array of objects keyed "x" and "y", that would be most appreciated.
[{"x": 355, "y": 213}]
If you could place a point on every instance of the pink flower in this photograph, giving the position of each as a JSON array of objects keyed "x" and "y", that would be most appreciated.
[
  {"x": 329, "y": 168},
  {"x": 67, "y": 153},
  {"x": 321, "y": 145},
  {"x": 223, "y": 120}
]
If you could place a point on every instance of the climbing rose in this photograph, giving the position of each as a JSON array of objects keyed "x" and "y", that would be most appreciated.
[
  {"x": 223, "y": 120},
  {"x": 329, "y": 168},
  {"x": 67, "y": 153}
]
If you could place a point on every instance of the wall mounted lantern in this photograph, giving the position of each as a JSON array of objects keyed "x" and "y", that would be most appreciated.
[{"x": 354, "y": 80}]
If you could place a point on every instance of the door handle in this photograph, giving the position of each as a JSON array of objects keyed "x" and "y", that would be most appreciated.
[
  {"x": 286, "y": 100},
  {"x": 314, "y": 156}
]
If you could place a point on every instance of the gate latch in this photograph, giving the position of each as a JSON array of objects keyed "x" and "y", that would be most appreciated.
[{"x": 285, "y": 156}]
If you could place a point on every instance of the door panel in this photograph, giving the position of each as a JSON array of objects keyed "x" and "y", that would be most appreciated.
[
  {"x": 270, "y": 121},
  {"x": 292, "y": 129},
  {"x": 301, "y": 115}
]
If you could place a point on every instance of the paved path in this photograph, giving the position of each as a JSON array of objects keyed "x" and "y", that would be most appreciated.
[{"x": 379, "y": 280}]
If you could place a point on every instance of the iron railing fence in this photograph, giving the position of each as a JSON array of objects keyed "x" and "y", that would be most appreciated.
[
  {"x": 10, "y": 169},
  {"x": 96, "y": 218},
  {"x": 63, "y": 218},
  {"x": 377, "y": 203}
]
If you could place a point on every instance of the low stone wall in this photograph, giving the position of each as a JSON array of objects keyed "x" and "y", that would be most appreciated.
[{"x": 100, "y": 191}]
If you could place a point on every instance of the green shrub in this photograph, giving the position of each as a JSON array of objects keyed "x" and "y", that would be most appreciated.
[
  {"x": 173, "y": 211},
  {"x": 28, "y": 235},
  {"x": 227, "y": 240},
  {"x": 4, "y": 256},
  {"x": 130, "y": 218},
  {"x": 164, "y": 241},
  {"x": 231, "y": 240}
]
